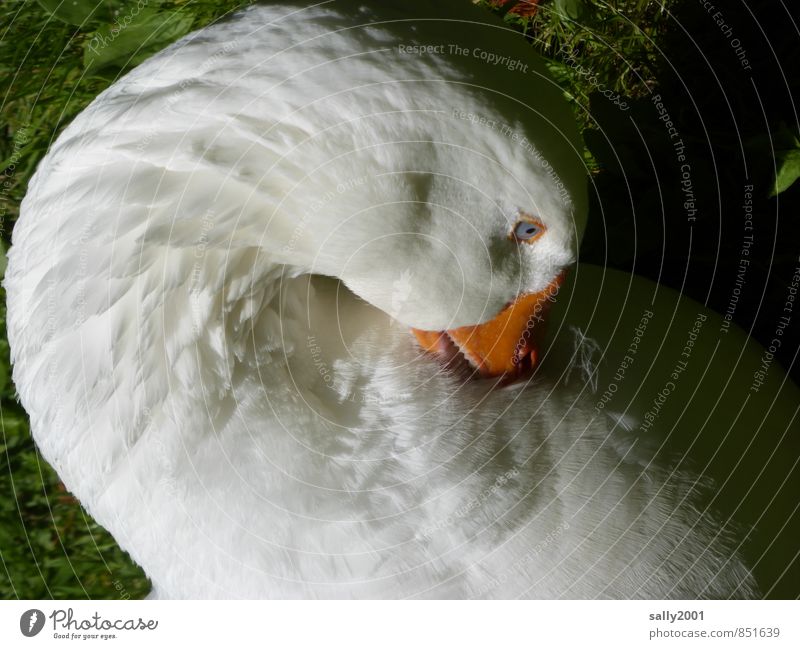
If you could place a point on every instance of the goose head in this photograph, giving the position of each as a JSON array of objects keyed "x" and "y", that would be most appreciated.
[{"x": 465, "y": 244}]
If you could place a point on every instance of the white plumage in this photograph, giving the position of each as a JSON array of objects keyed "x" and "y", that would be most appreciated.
[{"x": 210, "y": 293}]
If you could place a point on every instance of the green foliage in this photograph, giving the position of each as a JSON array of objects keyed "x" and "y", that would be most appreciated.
[
  {"x": 80, "y": 12},
  {"x": 591, "y": 45},
  {"x": 787, "y": 159},
  {"x": 572, "y": 9},
  {"x": 134, "y": 38}
]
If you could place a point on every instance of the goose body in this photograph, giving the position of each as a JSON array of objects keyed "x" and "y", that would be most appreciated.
[{"x": 210, "y": 294}]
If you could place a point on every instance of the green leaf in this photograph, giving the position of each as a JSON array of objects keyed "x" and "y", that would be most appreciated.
[
  {"x": 134, "y": 36},
  {"x": 78, "y": 12},
  {"x": 787, "y": 164},
  {"x": 574, "y": 9}
]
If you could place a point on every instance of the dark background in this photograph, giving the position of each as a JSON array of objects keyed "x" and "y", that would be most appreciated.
[{"x": 734, "y": 124}]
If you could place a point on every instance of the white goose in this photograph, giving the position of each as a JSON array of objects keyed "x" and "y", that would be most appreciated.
[{"x": 210, "y": 294}]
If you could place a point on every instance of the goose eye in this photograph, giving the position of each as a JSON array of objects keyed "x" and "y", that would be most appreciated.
[{"x": 525, "y": 230}]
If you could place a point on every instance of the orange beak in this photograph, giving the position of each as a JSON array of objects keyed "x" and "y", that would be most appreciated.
[{"x": 507, "y": 345}]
